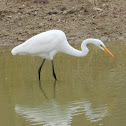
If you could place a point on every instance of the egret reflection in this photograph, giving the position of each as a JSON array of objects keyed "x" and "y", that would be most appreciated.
[{"x": 53, "y": 113}]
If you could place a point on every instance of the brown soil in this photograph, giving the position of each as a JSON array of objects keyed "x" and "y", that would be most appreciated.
[{"x": 79, "y": 19}]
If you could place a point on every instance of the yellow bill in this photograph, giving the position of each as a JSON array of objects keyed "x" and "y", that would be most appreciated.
[{"x": 108, "y": 52}]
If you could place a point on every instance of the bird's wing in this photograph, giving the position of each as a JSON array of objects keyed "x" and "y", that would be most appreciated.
[{"x": 42, "y": 43}]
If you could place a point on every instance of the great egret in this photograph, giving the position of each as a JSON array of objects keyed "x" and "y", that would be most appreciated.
[{"x": 48, "y": 43}]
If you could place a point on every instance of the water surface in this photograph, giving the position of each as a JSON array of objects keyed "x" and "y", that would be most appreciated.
[{"x": 90, "y": 91}]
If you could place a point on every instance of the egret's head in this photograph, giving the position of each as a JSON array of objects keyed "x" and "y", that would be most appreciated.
[
  {"x": 101, "y": 45},
  {"x": 98, "y": 43}
]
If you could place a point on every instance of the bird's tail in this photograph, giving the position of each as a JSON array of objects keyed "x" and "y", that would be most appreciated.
[
  {"x": 14, "y": 51},
  {"x": 19, "y": 50}
]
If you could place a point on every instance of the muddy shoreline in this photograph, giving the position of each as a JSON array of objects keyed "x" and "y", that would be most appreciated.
[{"x": 103, "y": 19}]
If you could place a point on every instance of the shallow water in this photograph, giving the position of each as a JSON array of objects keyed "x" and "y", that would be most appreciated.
[{"x": 90, "y": 91}]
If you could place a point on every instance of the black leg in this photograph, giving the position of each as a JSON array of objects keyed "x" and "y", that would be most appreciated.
[
  {"x": 39, "y": 70},
  {"x": 53, "y": 70}
]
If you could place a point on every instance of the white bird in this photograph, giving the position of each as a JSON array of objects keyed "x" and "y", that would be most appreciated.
[{"x": 48, "y": 43}]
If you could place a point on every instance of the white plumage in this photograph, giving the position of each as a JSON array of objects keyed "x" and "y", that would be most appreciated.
[
  {"x": 47, "y": 44},
  {"x": 44, "y": 44}
]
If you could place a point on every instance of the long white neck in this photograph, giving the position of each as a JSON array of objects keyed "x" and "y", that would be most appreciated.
[
  {"x": 90, "y": 41},
  {"x": 74, "y": 52}
]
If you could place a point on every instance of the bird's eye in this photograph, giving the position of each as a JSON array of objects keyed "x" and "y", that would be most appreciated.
[{"x": 101, "y": 45}]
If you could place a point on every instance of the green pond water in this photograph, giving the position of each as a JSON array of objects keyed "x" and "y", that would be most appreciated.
[{"x": 90, "y": 91}]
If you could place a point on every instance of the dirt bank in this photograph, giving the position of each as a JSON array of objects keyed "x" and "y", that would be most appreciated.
[{"x": 103, "y": 19}]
